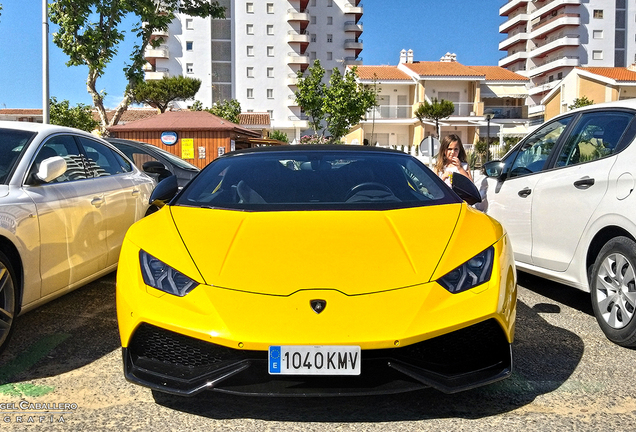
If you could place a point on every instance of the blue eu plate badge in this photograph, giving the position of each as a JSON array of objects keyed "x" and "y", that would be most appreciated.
[{"x": 274, "y": 359}]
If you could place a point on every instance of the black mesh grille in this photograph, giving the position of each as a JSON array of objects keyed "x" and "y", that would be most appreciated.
[{"x": 165, "y": 346}]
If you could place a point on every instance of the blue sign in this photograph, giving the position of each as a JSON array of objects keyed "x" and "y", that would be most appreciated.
[
  {"x": 169, "y": 138},
  {"x": 274, "y": 359}
]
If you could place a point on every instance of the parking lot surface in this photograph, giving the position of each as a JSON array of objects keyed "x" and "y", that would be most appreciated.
[{"x": 62, "y": 371}]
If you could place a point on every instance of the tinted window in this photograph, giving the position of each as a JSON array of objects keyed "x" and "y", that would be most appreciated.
[
  {"x": 12, "y": 144},
  {"x": 66, "y": 147},
  {"x": 535, "y": 150},
  {"x": 596, "y": 135},
  {"x": 101, "y": 160},
  {"x": 316, "y": 180}
]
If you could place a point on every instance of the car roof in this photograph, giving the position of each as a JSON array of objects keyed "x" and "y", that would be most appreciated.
[
  {"x": 315, "y": 147},
  {"x": 39, "y": 127},
  {"x": 626, "y": 103}
]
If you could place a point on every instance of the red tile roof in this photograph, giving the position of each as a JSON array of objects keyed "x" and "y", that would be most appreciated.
[
  {"x": 183, "y": 120},
  {"x": 496, "y": 73},
  {"x": 130, "y": 115},
  {"x": 437, "y": 68},
  {"x": 615, "y": 73},
  {"x": 254, "y": 119},
  {"x": 381, "y": 73},
  {"x": 20, "y": 111}
]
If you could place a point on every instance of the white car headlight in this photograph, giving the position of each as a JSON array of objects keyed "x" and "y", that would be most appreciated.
[
  {"x": 160, "y": 275},
  {"x": 473, "y": 272}
]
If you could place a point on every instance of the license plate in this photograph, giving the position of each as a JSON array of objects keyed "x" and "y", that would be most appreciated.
[{"x": 314, "y": 360}]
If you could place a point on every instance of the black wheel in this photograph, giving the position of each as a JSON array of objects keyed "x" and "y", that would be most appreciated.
[
  {"x": 8, "y": 298},
  {"x": 613, "y": 290}
]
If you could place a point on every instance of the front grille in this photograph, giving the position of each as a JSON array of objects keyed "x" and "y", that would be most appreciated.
[{"x": 154, "y": 343}]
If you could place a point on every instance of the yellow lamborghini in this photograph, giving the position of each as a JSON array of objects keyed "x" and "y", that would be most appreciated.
[{"x": 316, "y": 270}]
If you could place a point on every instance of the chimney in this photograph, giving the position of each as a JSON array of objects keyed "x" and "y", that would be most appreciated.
[
  {"x": 402, "y": 56},
  {"x": 448, "y": 57},
  {"x": 409, "y": 56}
]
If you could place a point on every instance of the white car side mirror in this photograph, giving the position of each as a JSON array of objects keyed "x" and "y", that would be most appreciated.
[{"x": 51, "y": 168}]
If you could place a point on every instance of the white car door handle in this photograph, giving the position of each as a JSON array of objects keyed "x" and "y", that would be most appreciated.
[
  {"x": 97, "y": 201},
  {"x": 584, "y": 183},
  {"x": 136, "y": 192},
  {"x": 523, "y": 193}
]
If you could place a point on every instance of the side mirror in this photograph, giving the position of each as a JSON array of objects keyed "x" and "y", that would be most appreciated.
[
  {"x": 164, "y": 191},
  {"x": 50, "y": 169},
  {"x": 154, "y": 167},
  {"x": 465, "y": 189},
  {"x": 493, "y": 169}
]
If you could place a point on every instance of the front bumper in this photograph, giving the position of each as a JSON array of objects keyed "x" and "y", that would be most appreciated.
[{"x": 174, "y": 363}]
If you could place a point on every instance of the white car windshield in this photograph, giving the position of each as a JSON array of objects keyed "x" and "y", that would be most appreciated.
[{"x": 12, "y": 143}]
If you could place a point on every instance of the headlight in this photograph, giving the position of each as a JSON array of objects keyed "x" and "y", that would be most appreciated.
[
  {"x": 473, "y": 272},
  {"x": 160, "y": 275}
]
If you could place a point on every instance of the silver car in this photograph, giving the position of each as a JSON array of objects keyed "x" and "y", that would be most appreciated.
[{"x": 67, "y": 199}]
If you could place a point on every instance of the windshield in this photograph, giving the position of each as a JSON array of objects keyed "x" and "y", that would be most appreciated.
[
  {"x": 12, "y": 143},
  {"x": 176, "y": 160},
  {"x": 313, "y": 180}
]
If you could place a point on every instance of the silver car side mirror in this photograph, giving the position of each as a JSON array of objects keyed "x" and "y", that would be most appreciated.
[{"x": 51, "y": 168}]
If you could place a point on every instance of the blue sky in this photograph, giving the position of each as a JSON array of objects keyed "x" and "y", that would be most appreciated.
[{"x": 430, "y": 28}]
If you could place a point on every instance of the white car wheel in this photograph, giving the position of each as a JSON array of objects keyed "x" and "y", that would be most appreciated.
[{"x": 613, "y": 290}]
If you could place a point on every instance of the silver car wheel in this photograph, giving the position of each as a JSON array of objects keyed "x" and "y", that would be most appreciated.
[
  {"x": 616, "y": 290},
  {"x": 7, "y": 302}
]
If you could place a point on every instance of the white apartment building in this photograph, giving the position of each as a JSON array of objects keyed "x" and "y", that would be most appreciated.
[
  {"x": 254, "y": 54},
  {"x": 546, "y": 39}
]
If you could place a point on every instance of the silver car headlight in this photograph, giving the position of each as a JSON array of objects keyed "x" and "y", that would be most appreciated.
[
  {"x": 160, "y": 275},
  {"x": 473, "y": 272}
]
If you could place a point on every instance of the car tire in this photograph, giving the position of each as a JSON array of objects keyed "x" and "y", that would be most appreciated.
[
  {"x": 613, "y": 290},
  {"x": 8, "y": 300}
]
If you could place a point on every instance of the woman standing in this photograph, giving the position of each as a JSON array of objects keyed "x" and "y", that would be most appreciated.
[{"x": 451, "y": 159}]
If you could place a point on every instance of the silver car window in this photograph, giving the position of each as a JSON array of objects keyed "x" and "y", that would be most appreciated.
[
  {"x": 101, "y": 160},
  {"x": 66, "y": 147}
]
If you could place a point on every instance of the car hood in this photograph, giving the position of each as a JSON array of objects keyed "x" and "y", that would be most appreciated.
[{"x": 354, "y": 252}]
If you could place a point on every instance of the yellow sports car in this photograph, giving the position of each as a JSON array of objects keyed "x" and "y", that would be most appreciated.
[{"x": 316, "y": 270}]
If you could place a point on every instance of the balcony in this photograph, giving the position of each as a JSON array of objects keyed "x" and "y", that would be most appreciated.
[
  {"x": 352, "y": 26},
  {"x": 158, "y": 74},
  {"x": 513, "y": 58},
  {"x": 294, "y": 58},
  {"x": 299, "y": 38},
  {"x": 161, "y": 51},
  {"x": 295, "y": 16},
  {"x": 506, "y": 112},
  {"x": 543, "y": 87},
  {"x": 565, "y": 61},
  {"x": 354, "y": 10},
  {"x": 551, "y": 6},
  {"x": 292, "y": 80},
  {"x": 385, "y": 112},
  {"x": 513, "y": 21},
  {"x": 511, "y": 6},
  {"x": 291, "y": 101},
  {"x": 512, "y": 39},
  {"x": 352, "y": 61},
  {"x": 551, "y": 24},
  {"x": 353, "y": 44},
  {"x": 554, "y": 43}
]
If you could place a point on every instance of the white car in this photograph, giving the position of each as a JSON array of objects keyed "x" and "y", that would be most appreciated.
[
  {"x": 67, "y": 199},
  {"x": 565, "y": 194}
]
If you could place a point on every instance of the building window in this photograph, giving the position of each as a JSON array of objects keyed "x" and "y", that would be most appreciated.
[
  {"x": 249, "y": 28},
  {"x": 329, "y": 20},
  {"x": 329, "y": 38},
  {"x": 597, "y": 34},
  {"x": 250, "y": 72},
  {"x": 249, "y": 8},
  {"x": 329, "y": 55},
  {"x": 329, "y": 3},
  {"x": 270, "y": 29},
  {"x": 250, "y": 51},
  {"x": 560, "y": 75},
  {"x": 313, "y": 19},
  {"x": 270, "y": 8},
  {"x": 270, "y": 93},
  {"x": 250, "y": 93},
  {"x": 313, "y": 3},
  {"x": 189, "y": 45},
  {"x": 313, "y": 37},
  {"x": 270, "y": 51},
  {"x": 189, "y": 68},
  {"x": 597, "y": 55},
  {"x": 312, "y": 55},
  {"x": 270, "y": 72},
  {"x": 271, "y": 114},
  {"x": 189, "y": 24},
  {"x": 598, "y": 13}
]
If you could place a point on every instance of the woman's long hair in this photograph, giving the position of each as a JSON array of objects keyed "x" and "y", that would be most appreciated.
[{"x": 442, "y": 161}]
